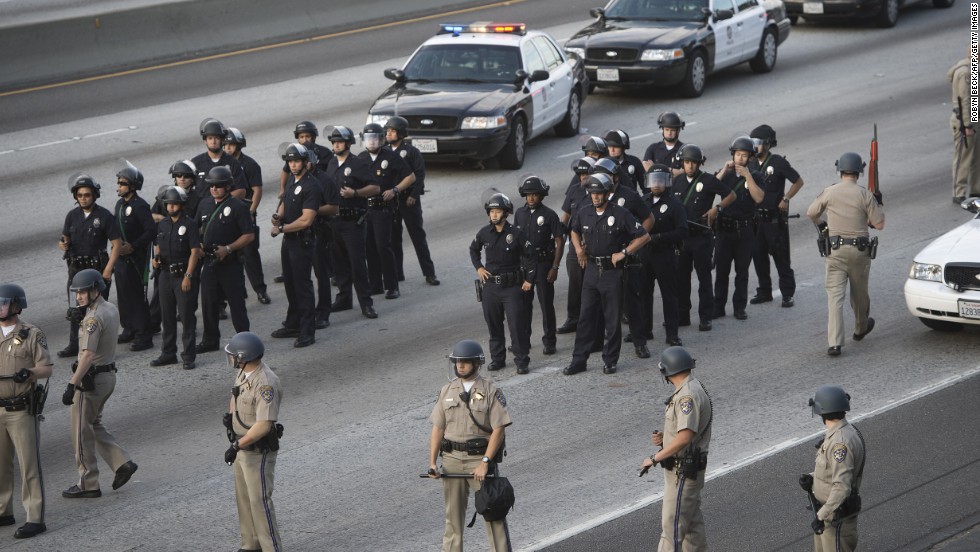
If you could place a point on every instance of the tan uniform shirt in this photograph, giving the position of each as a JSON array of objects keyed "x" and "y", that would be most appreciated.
[
  {"x": 99, "y": 331},
  {"x": 24, "y": 347},
  {"x": 689, "y": 408},
  {"x": 840, "y": 456},
  {"x": 849, "y": 208},
  {"x": 486, "y": 401},
  {"x": 959, "y": 77},
  {"x": 259, "y": 397}
]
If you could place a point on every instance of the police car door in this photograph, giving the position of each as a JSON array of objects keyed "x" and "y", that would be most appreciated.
[
  {"x": 750, "y": 22},
  {"x": 726, "y": 44},
  {"x": 560, "y": 84},
  {"x": 540, "y": 91}
]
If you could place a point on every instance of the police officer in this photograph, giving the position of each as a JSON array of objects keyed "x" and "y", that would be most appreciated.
[
  {"x": 233, "y": 144},
  {"x": 966, "y": 158},
  {"x": 660, "y": 255},
  {"x": 576, "y": 197},
  {"x": 409, "y": 202},
  {"x": 87, "y": 230},
  {"x": 595, "y": 147},
  {"x": 91, "y": 384},
  {"x": 393, "y": 176},
  {"x": 604, "y": 235},
  {"x": 468, "y": 425},
  {"x": 306, "y": 134},
  {"x": 329, "y": 197},
  {"x": 508, "y": 272},
  {"x": 253, "y": 411},
  {"x": 696, "y": 190},
  {"x": 183, "y": 173},
  {"x": 630, "y": 167},
  {"x": 772, "y": 228},
  {"x": 176, "y": 260},
  {"x": 734, "y": 236},
  {"x": 226, "y": 228},
  {"x": 137, "y": 229},
  {"x": 213, "y": 133},
  {"x": 546, "y": 233},
  {"x": 349, "y": 249},
  {"x": 836, "y": 478},
  {"x": 666, "y": 152},
  {"x": 24, "y": 360},
  {"x": 294, "y": 218},
  {"x": 850, "y": 210},
  {"x": 683, "y": 453}
]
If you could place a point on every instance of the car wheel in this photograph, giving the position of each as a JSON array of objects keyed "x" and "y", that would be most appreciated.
[
  {"x": 793, "y": 20},
  {"x": 568, "y": 126},
  {"x": 888, "y": 16},
  {"x": 512, "y": 156},
  {"x": 765, "y": 59},
  {"x": 941, "y": 325},
  {"x": 697, "y": 71},
  {"x": 942, "y": 3}
]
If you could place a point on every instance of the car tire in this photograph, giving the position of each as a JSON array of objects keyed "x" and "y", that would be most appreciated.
[
  {"x": 941, "y": 325},
  {"x": 888, "y": 16},
  {"x": 512, "y": 156},
  {"x": 765, "y": 59},
  {"x": 696, "y": 74},
  {"x": 942, "y": 3},
  {"x": 568, "y": 126}
]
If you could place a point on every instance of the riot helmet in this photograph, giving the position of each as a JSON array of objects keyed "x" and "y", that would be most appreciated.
[
  {"x": 372, "y": 137},
  {"x": 132, "y": 176},
  {"x": 87, "y": 279},
  {"x": 295, "y": 152},
  {"x": 342, "y": 134},
  {"x": 244, "y": 347},
  {"x": 399, "y": 125},
  {"x": 183, "y": 168},
  {"x": 617, "y": 138},
  {"x": 220, "y": 176},
  {"x": 533, "y": 185},
  {"x": 669, "y": 119},
  {"x": 597, "y": 146},
  {"x": 659, "y": 176},
  {"x": 234, "y": 136},
  {"x": 850, "y": 162},
  {"x": 84, "y": 181},
  {"x": 742, "y": 143},
  {"x": 305, "y": 127},
  {"x": 466, "y": 349},
  {"x": 675, "y": 360},
  {"x": 585, "y": 165},
  {"x": 690, "y": 152},
  {"x": 14, "y": 298},
  {"x": 607, "y": 165},
  {"x": 830, "y": 399},
  {"x": 763, "y": 135},
  {"x": 174, "y": 194},
  {"x": 499, "y": 201},
  {"x": 599, "y": 184},
  {"x": 212, "y": 127}
]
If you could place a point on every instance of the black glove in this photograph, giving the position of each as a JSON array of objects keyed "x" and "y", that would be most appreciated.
[
  {"x": 806, "y": 482},
  {"x": 229, "y": 429},
  {"x": 878, "y": 197},
  {"x": 817, "y": 527},
  {"x": 231, "y": 454},
  {"x": 22, "y": 375},
  {"x": 69, "y": 397}
]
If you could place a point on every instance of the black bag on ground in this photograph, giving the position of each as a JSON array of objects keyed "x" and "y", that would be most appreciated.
[{"x": 494, "y": 499}]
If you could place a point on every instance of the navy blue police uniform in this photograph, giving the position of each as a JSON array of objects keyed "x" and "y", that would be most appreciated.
[
  {"x": 297, "y": 252},
  {"x": 323, "y": 156},
  {"x": 660, "y": 262},
  {"x": 628, "y": 199},
  {"x": 575, "y": 198},
  {"x": 88, "y": 236},
  {"x": 253, "y": 260},
  {"x": 734, "y": 238},
  {"x": 322, "y": 265},
  {"x": 204, "y": 164},
  {"x": 176, "y": 240},
  {"x": 349, "y": 250},
  {"x": 137, "y": 228},
  {"x": 411, "y": 215},
  {"x": 631, "y": 172},
  {"x": 772, "y": 228},
  {"x": 660, "y": 154},
  {"x": 541, "y": 226},
  {"x": 386, "y": 170}
]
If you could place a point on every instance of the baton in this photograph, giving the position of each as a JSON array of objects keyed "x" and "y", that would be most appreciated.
[
  {"x": 813, "y": 505},
  {"x": 706, "y": 227},
  {"x": 452, "y": 476},
  {"x": 6, "y": 377},
  {"x": 797, "y": 215}
]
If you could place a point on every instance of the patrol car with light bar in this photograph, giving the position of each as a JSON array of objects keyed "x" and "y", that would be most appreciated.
[{"x": 482, "y": 91}]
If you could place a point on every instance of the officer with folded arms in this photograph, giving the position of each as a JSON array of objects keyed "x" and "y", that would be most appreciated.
[{"x": 24, "y": 360}]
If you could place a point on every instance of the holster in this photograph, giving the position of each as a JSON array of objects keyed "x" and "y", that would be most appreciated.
[
  {"x": 873, "y": 247},
  {"x": 479, "y": 290},
  {"x": 270, "y": 442},
  {"x": 88, "y": 380},
  {"x": 823, "y": 244},
  {"x": 850, "y": 507},
  {"x": 36, "y": 399}
]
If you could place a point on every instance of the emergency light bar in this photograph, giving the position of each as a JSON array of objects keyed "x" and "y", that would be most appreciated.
[{"x": 483, "y": 27}]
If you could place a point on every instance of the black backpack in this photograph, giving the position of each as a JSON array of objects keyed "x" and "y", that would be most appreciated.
[{"x": 494, "y": 499}]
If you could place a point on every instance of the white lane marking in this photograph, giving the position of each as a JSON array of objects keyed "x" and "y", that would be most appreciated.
[
  {"x": 762, "y": 455},
  {"x": 579, "y": 153},
  {"x": 67, "y": 140}
]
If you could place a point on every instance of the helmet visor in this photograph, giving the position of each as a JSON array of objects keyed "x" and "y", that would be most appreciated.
[
  {"x": 372, "y": 140},
  {"x": 657, "y": 180}
]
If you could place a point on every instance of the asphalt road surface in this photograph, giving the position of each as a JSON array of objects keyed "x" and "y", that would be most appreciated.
[{"x": 356, "y": 403}]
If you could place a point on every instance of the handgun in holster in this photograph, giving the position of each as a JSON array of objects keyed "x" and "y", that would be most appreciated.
[
  {"x": 873, "y": 247},
  {"x": 479, "y": 290},
  {"x": 88, "y": 380},
  {"x": 823, "y": 240}
]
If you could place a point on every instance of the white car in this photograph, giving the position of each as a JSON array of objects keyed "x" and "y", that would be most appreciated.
[{"x": 943, "y": 289}]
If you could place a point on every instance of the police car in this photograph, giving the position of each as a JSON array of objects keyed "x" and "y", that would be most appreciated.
[
  {"x": 678, "y": 43},
  {"x": 484, "y": 90},
  {"x": 943, "y": 288},
  {"x": 883, "y": 13}
]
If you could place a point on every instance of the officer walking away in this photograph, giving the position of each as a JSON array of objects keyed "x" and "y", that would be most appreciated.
[
  {"x": 213, "y": 133},
  {"x": 504, "y": 278},
  {"x": 850, "y": 209},
  {"x": 24, "y": 360},
  {"x": 666, "y": 152},
  {"x": 630, "y": 166},
  {"x": 253, "y": 411},
  {"x": 735, "y": 235},
  {"x": 226, "y": 228},
  {"x": 836, "y": 477},
  {"x": 966, "y": 159},
  {"x": 604, "y": 236},
  {"x": 660, "y": 255},
  {"x": 349, "y": 249},
  {"x": 468, "y": 424},
  {"x": 771, "y": 217},
  {"x": 87, "y": 230},
  {"x": 294, "y": 219},
  {"x": 91, "y": 384},
  {"x": 575, "y": 198},
  {"x": 233, "y": 144},
  {"x": 409, "y": 202},
  {"x": 137, "y": 229},
  {"x": 176, "y": 259},
  {"x": 545, "y": 232},
  {"x": 683, "y": 454}
]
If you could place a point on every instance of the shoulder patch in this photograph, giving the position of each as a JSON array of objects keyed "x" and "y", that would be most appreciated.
[
  {"x": 266, "y": 393},
  {"x": 91, "y": 325},
  {"x": 839, "y": 452},
  {"x": 686, "y": 404},
  {"x": 500, "y": 398},
  {"x": 41, "y": 340}
]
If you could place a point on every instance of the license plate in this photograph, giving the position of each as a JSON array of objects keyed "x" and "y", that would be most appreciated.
[
  {"x": 969, "y": 309},
  {"x": 426, "y": 146},
  {"x": 813, "y": 7},
  {"x": 607, "y": 75}
]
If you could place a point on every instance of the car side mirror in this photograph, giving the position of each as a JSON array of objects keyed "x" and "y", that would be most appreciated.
[
  {"x": 598, "y": 13},
  {"x": 721, "y": 15},
  {"x": 396, "y": 75},
  {"x": 539, "y": 75}
]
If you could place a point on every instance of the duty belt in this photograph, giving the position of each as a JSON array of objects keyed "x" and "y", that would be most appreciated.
[
  {"x": 604, "y": 263},
  {"x": 378, "y": 202},
  {"x": 545, "y": 255},
  {"x": 457, "y": 446},
  {"x": 860, "y": 243},
  {"x": 350, "y": 213},
  {"x": 505, "y": 279},
  {"x": 768, "y": 215},
  {"x": 176, "y": 269},
  {"x": 732, "y": 224},
  {"x": 104, "y": 368},
  {"x": 84, "y": 261},
  {"x": 14, "y": 404}
]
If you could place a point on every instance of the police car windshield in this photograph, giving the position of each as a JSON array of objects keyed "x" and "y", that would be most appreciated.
[
  {"x": 657, "y": 10},
  {"x": 471, "y": 63}
]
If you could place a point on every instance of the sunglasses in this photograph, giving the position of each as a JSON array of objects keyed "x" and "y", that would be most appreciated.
[
  {"x": 83, "y": 195},
  {"x": 183, "y": 176},
  {"x": 217, "y": 186}
]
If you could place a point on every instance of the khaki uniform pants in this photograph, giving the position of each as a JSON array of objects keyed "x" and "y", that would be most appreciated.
[
  {"x": 20, "y": 434},
  {"x": 682, "y": 521},
  {"x": 254, "y": 482},
  {"x": 966, "y": 176},
  {"x": 847, "y": 265},
  {"x": 89, "y": 435},
  {"x": 841, "y": 539},
  {"x": 456, "y": 493}
]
